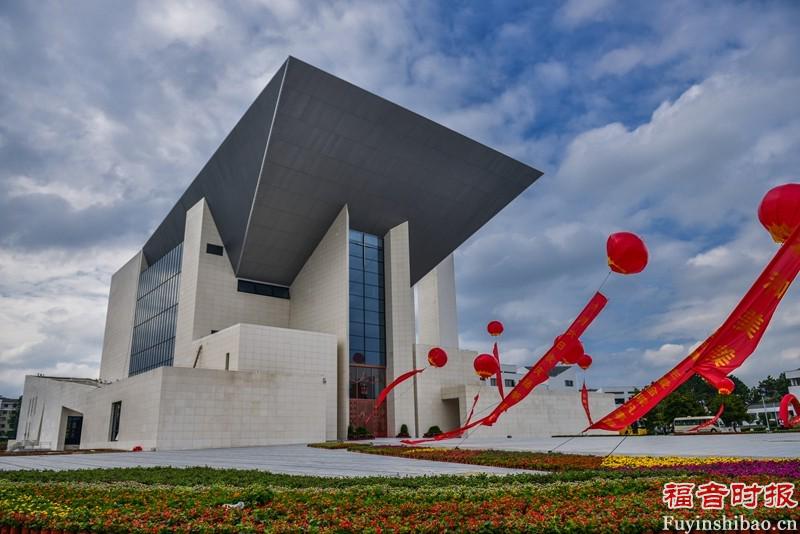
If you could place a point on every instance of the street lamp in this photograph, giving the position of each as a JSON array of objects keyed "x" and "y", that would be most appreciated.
[{"x": 764, "y": 406}]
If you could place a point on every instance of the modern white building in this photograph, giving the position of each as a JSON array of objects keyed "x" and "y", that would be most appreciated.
[
  {"x": 794, "y": 382},
  {"x": 276, "y": 299}
]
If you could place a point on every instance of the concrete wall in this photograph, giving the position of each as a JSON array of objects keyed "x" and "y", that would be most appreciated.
[
  {"x": 437, "y": 318},
  {"x": 321, "y": 303},
  {"x": 267, "y": 348},
  {"x": 119, "y": 320},
  {"x": 141, "y": 401},
  {"x": 399, "y": 329},
  {"x": 209, "y": 299},
  {"x": 208, "y": 408}
]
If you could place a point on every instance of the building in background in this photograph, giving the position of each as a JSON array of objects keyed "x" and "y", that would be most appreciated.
[
  {"x": 794, "y": 382},
  {"x": 9, "y": 415},
  {"x": 276, "y": 299},
  {"x": 621, "y": 394}
]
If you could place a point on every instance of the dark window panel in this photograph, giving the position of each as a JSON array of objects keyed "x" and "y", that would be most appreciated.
[{"x": 214, "y": 249}]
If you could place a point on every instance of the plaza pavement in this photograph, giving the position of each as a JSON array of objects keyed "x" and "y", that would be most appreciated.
[
  {"x": 285, "y": 459},
  {"x": 777, "y": 445}
]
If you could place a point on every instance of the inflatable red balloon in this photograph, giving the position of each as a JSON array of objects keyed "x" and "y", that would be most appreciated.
[
  {"x": 437, "y": 357},
  {"x": 495, "y": 328},
  {"x": 585, "y": 361},
  {"x": 573, "y": 350},
  {"x": 779, "y": 211},
  {"x": 627, "y": 253},
  {"x": 485, "y": 366},
  {"x": 725, "y": 386}
]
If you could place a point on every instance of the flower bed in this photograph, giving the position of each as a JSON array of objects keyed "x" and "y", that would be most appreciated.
[
  {"x": 556, "y": 462},
  {"x": 620, "y": 505}
]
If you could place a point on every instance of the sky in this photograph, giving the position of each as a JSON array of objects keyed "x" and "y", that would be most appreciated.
[{"x": 668, "y": 119}]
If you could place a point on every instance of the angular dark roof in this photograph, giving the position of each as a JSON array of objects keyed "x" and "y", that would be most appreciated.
[{"x": 312, "y": 143}]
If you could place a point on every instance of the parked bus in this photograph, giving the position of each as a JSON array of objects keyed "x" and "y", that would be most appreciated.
[{"x": 682, "y": 425}]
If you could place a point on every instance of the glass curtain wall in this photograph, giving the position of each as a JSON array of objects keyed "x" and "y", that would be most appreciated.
[
  {"x": 153, "y": 342},
  {"x": 367, "y": 327}
]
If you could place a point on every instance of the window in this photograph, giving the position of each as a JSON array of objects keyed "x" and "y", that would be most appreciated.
[
  {"x": 227, "y": 361},
  {"x": 266, "y": 290},
  {"x": 569, "y": 383},
  {"x": 492, "y": 381},
  {"x": 116, "y": 413},
  {"x": 156, "y": 311},
  {"x": 619, "y": 401},
  {"x": 214, "y": 249},
  {"x": 509, "y": 383}
]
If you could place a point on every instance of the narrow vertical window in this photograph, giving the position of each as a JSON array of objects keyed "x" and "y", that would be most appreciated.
[
  {"x": 227, "y": 361},
  {"x": 116, "y": 412}
]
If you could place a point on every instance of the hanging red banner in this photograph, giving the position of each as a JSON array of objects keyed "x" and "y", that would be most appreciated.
[
  {"x": 564, "y": 345},
  {"x": 499, "y": 374},
  {"x": 783, "y": 411},
  {"x": 383, "y": 394},
  {"x": 585, "y": 402},
  {"x": 710, "y": 422},
  {"x": 728, "y": 347}
]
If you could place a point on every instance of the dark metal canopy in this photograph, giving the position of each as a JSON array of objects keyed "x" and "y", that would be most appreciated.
[{"x": 312, "y": 143}]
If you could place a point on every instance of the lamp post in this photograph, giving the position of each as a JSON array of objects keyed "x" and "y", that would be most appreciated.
[{"x": 764, "y": 406}]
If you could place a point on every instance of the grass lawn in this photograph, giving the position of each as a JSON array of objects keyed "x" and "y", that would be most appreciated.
[{"x": 581, "y": 494}]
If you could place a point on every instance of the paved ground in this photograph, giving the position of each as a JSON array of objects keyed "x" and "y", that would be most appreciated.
[
  {"x": 760, "y": 445},
  {"x": 288, "y": 459}
]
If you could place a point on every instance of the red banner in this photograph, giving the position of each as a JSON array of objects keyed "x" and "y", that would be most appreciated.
[
  {"x": 710, "y": 422},
  {"x": 541, "y": 370},
  {"x": 499, "y": 374},
  {"x": 729, "y": 346},
  {"x": 405, "y": 376},
  {"x": 585, "y": 402}
]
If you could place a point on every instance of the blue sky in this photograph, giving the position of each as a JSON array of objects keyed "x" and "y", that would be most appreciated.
[{"x": 670, "y": 119}]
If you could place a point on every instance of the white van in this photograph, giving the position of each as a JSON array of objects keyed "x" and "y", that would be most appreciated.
[{"x": 682, "y": 425}]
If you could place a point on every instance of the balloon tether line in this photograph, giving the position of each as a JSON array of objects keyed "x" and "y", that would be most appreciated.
[{"x": 617, "y": 446}]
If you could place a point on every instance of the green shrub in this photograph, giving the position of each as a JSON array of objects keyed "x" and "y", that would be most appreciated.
[{"x": 433, "y": 431}]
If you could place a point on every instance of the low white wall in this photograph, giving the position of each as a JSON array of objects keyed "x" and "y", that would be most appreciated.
[
  {"x": 207, "y": 408},
  {"x": 542, "y": 413}
]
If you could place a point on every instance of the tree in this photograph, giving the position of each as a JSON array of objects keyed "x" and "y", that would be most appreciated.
[
  {"x": 735, "y": 408},
  {"x": 773, "y": 389}
]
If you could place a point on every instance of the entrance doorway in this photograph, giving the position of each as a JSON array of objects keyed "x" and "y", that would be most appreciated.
[{"x": 72, "y": 436}]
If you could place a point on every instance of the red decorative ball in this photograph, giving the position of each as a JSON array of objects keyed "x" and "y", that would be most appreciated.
[
  {"x": 485, "y": 366},
  {"x": 779, "y": 211},
  {"x": 437, "y": 357},
  {"x": 725, "y": 386},
  {"x": 585, "y": 361},
  {"x": 572, "y": 349},
  {"x": 495, "y": 328},
  {"x": 627, "y": 253}
]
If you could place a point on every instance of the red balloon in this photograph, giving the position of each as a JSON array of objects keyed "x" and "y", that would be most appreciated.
[
  {"x": 779, "y": 211},
  {"x": 585, "y": 361},
  {"x": 725, "y": 386},
  {"x": 627, "y": 253},
  {"x": 437, "y": 357},
  {"x": 495, "y": 328},
  {"x": 485, "y": 366},
  {"x": 573, "y": 351}
]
